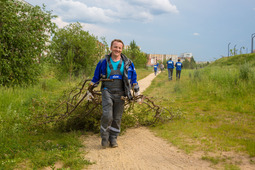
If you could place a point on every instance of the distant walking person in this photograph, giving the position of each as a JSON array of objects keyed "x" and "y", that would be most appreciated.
[
  {"x": 162, "y": 67},
  {"x": 170, "y": 67},
  {"x": 178, "y": 66},
  {"x": 155, "y": 69}
]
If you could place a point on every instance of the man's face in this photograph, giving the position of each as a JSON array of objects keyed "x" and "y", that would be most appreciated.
[{"x": 116, "y": 48}]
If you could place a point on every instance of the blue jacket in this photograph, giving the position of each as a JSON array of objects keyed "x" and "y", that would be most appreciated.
[
  {"x": 155, "y": 67},
  {"x": 129, "y": 76},
  {"x": 170, "y": 64},
  {"x": 178, "y": 65}
]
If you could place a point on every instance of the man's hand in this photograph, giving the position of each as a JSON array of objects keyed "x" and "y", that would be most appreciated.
[
  {"x": 137, "y": 94},
  {"x": 91, "y": 87},
  {"x": 139, "y": 100},
  {"x": 136, "y": 87},
  {"x": 89, "y": 96}
]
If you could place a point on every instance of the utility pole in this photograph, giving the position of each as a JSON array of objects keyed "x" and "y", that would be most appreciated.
[
  {"x": 228, "y": 48},
  {"x": 252, "y": 36}
]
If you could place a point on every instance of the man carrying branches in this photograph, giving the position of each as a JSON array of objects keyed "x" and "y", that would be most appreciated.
[{"x": 121, "y": 70}]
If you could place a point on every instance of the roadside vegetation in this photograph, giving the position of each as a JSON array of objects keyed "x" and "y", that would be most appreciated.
[{"x": 214, "y": 108}]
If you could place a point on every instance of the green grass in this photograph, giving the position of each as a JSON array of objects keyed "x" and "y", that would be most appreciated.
[
  {"x": 142, "y": 72},
  {"x": 217, "y": 110},
  {"x": 23, "y": 146}
]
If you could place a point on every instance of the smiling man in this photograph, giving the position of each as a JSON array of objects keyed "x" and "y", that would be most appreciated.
[{"x": 121, "y": 70}]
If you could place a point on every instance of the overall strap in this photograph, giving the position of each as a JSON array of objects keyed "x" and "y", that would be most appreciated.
[{"x": 119, "y": 65}]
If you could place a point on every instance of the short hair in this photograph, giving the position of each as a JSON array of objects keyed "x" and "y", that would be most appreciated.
[
  {"x": 117, "y": 40},
  {"x": 179, "y": 59}
]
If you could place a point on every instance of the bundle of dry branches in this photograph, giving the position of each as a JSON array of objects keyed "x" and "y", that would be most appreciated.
[{"x": 91, "y": 100}]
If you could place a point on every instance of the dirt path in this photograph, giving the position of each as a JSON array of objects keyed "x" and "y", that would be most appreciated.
[{"x": 139, "y": 149}]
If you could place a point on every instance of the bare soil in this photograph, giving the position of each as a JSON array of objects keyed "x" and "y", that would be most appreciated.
[{"x": 140, "y": 149}]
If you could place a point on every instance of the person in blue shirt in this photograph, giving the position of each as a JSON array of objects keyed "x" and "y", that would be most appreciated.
[
  {"x": 155, "y": 69},
  {"x": 121, "y": 70},
  {"x": 170, "y": 67},
  {"x": 178, "y": 66}
]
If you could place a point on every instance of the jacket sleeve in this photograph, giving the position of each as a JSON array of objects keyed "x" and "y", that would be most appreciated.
[
  {"x": 133, "y": 77},
  {"x": 97, "y": 73}
]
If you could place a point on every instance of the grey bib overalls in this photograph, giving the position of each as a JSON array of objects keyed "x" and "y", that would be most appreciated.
[{"x": 112, "y": 104}]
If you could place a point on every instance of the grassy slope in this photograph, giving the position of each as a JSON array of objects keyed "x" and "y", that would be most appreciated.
[{"x": 216, "y": 107}]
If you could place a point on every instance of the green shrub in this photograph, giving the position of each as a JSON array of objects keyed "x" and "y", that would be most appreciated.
[
  {"x": 25, "y": 30},
  {"x": 197, "y": 75},
  {"x": 245, "y": 72}
]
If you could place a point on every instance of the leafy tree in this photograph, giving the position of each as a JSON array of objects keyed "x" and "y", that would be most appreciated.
[
  {"x": 192, "y": 63},
  {"x": 106, "y": 47},
  {"x": 165, "y": 62},
  {"x": 185, "y": 63},
  {"x": 136, "y": 55},
  {"x": 75, "y": 50},
  {"x": 141, "y": 60},
  {"x": 134, "y": 49},
  {"x": 189, "y": 64},
  {"x": 69, "y": 62},
  {"x": 25, "y": 31}
]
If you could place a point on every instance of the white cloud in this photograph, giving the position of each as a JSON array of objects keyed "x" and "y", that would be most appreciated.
[
  {"x": 74, "y": 10},
  {"x": 91, "y": 28},
  {"x": 59, "y": 22},
  {"x": 96, "y": 30},
  {"x": 196, "y": 34},
  {"x": 110, "y": 11},
  {"x": 157, "y": 6}
]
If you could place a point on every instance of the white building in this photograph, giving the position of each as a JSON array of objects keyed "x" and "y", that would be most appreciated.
[
  {"x": 184, "y": 55},
  {"x": 159, "y": 58}
]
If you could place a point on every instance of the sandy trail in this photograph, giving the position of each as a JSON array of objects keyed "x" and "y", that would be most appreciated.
[{"x": 139, "y": 149}]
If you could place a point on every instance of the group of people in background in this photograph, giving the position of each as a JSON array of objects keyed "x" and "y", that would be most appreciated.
[
  {"x": 170, "y": 67},
  {"x": 156, "y": 66}
]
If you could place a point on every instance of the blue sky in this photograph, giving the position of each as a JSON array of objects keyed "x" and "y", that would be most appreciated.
[{"x": 202, "y": 27}]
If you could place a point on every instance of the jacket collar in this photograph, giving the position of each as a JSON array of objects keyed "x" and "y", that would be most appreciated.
[{"x": 124, "y": 58}]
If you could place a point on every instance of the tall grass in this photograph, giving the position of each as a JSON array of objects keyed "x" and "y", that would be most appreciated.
[
  {"x": 233, "y": 87},
  {"x": 37, "y": 147},
  {"x": 217, "y": 108}
]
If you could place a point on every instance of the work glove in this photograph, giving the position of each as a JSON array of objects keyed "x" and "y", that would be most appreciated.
[
  {"x": 136, "y": 87},
  {"x": 136, "y": 94},
  {"x": 89, "y": 96}
]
